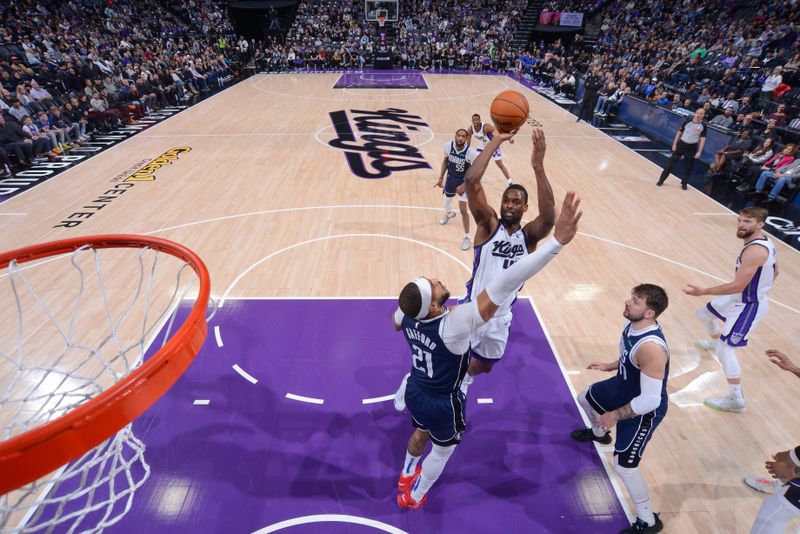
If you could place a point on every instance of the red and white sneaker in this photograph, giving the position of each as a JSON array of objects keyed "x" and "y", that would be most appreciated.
[
  {"x": 405, "y": 500},
  {"x": 405, "y": 482}
]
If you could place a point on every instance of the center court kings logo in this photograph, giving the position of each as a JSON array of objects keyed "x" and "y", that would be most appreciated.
[{"x": 377, "y": 143}]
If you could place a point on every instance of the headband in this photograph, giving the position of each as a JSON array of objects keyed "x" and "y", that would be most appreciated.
[{"x": 425, "y": 292}]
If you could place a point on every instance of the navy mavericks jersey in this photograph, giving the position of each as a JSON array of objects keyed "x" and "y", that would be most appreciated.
[
  {"x": 457, "y": 163},
  {"x": 628, "y": 373},
  {"x": 434, "y": 368}
]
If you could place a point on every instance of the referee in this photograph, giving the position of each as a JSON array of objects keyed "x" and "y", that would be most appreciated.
[{"x": 688, "y": 144}]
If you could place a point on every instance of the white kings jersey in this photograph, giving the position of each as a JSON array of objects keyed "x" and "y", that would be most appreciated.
[
  {"x": 499, "y": 252},
  {"x": 762, "y": 280},
  {"x": 481, "y": 137}
]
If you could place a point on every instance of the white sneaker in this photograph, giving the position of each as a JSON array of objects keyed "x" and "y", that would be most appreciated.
[
  {"x": 726, "y": 404},
  {"x": 705, "y": 344},
  {"x": 400, "y": 394},
  {"x": 764, "y": 485},
  {"x": 447, "y": 216},
  {"x": 465, "y": 243}
]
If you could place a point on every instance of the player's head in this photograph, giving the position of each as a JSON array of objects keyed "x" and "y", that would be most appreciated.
[
  {"x": 461, "y": 136},
  {"x": 750, "y": 221},
  {"x": 514, "y": 204},
  {"x": 647, "y": 302},
  {"x": 423, "y": 297},
  {"x": 476, "y": 120}
]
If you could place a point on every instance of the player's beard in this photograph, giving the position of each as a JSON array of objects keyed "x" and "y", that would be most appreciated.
[
  {"x": 744, "y": 234},
  {"x": 632, "y": 318},
  {"x": 511, "y": 220}
]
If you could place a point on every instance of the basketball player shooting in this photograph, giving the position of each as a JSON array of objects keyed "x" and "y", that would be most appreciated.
[
  {"x": 501, "y": 241},
  {"x": 439, "y": 340}
]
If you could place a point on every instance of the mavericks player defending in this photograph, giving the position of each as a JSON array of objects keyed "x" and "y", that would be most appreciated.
[
  {"x": 439, "y": 343},
  {"x": 458, "y": 156},
  {"x": 499, "y": 243},
  {"x": 635, "y": 400},
  {"x": 483, "y": 133},
  {"x": 741, "y": 304}
]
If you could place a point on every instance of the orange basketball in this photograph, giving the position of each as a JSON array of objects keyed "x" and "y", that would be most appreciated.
[{"x": 509, "y": 111}]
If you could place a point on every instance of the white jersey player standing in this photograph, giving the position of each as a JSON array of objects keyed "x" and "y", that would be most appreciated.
[
  {"x": 740, "y": 304},
  {"x": 482, "y": 133}
]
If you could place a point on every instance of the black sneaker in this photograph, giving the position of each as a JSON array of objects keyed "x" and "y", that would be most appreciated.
[
  {"x": 640, "y": 527},
  {"x": 684, "y": 187},
  {"x": 586, "y": 434},
  {"x": 660, "y": 183}
]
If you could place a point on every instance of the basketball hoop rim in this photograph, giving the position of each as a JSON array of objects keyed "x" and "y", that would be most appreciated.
[{"x": 32, "y": 454}]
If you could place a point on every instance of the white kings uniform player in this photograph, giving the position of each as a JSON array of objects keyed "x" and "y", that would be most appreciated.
[
  {"x": 483, "y": 133},
  {"x": 740, "y": 304}
]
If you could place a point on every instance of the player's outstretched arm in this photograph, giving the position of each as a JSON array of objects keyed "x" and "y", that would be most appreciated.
[
  {"x": 484, "y": 215},
  {"x": 752, "y": 258},
  {"x": 538, "y": 229},
  {"x": 508, "y": 282}
]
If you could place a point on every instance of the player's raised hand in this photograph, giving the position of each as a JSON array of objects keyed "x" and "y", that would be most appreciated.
[
  {"x": 539, "y": 148},
  {"x": 567, "y": 220},
  {"x": 505, "y": 136},
  {"x": 780, "y": 359}
]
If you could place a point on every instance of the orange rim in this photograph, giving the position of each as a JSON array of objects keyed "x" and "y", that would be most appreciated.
[{"x": 31, "y": 455}]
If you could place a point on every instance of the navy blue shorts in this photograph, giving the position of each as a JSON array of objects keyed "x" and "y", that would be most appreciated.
[
  {"x": 441, "y": 416},
  {"x": 633, "y": 434},
  {"x": 450, "y": 186}
]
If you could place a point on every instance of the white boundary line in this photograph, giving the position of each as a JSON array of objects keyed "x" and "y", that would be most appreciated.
[
  {"x": 218, "y": 336},
  {"x": 301, "y": 398},
  {"x": 142, "y": 132},
  {"x": 324, "y": 238},
  {"x": 244, "y": 374},
  {"x": 330, "y": 518},
  {"x": 375, "y": 400},
  {"x": 390, "y": 206},
  {"x": 614, "y": 483}
]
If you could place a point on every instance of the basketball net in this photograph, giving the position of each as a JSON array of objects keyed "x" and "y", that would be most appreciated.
[{"x": 73, "y": 326}]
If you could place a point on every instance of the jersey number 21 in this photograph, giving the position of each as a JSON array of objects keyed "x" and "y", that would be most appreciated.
[{"x": 423, "y": 361}]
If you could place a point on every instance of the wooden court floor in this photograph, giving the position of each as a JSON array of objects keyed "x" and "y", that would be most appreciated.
[{"x": 276, "y": 211}]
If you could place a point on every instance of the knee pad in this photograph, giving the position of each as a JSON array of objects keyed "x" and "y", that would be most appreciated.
[
  {"x": 708, "y": 320},
  {"x": 727, "y": 358}
]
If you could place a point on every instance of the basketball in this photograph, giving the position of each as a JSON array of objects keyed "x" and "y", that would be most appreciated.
[{"x": 509, "y": 111}]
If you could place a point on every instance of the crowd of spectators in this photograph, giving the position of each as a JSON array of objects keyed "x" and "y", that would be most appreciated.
[
  {"x": 71, "y": 69},
  {"x": 740, "y": 64},
  {"x": 454, "y": 34}
]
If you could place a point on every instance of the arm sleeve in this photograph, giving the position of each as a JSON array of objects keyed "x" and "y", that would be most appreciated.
[
  {"x": 650, "y": 396},
  {"x": 458, "y": 325},
  {"x": 703, "y": 132},
  {"x": 446, "y": 149},
  {"x": 509, "y": 281}
]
